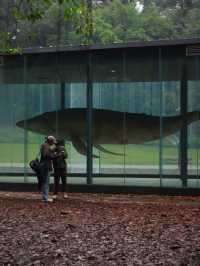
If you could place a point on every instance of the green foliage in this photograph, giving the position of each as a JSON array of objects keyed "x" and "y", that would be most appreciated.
[
  {"x": 117, "y": 22},
  {"x": 156, "y": 26},
  {"x": 5, "y": 44},
  {"x": 60, "y": 22}
]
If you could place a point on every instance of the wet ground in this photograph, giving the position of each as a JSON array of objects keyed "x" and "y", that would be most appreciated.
[{"x": 98, "y": 229}]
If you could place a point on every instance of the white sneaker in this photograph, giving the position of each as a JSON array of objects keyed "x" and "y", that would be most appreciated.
[
  {"x": 48, "y": 200},
  {"x": 65, "y": 196},
  {"x": 55, "y": 197}
]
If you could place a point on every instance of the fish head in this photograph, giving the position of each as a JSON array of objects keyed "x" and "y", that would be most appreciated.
[
  {"x": 49, "y": 123},
  {"x": 21, "y": 124},
  {"x": 38, "y": 124}
]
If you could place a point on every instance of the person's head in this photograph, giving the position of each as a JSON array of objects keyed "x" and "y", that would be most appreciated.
[
  {"x": 60, "y": 142},
  {"x": 51, "y": 140}
]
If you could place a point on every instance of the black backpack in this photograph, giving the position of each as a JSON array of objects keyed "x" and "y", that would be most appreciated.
[{"x": 36, "y": 165}]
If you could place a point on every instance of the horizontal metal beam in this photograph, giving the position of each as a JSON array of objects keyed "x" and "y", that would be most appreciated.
[
  {"x": 142, "y": 190},
  {"x": 84, "y": 175},
  {"x": 135, "y": 44}
]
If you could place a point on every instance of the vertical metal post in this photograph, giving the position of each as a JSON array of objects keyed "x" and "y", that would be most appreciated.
[
  {"x": 184, "y": 133},
  {"x": 197, "y": 60},
  {"x": 25, "y": 120},
  {"x": 89, "y": 118},
  {"x": 89, "y": 24},
  {"x": 124, "y": 116},
  {"x": 161, "y": 114}
]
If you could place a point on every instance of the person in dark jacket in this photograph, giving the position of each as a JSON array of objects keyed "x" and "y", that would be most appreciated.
[
  {"x": 48, "y": 153},
  {"x": 60, "y": 168}
]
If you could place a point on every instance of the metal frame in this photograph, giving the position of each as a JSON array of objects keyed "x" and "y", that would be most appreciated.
[
  {"x": 183, "y": 97},
  {"x": 81, "y": 188},
  {"x": 184, "y": 130},
  {"x": 89, "y": 118},
  {"x": 84, "y": 175},
  {"x": 178, "y": 42}
]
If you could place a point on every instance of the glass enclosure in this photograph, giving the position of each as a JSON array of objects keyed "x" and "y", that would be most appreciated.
[{"x": 129, "y": 115}]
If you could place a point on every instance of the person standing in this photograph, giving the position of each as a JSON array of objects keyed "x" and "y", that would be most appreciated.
[
  {"x": 47, "y": 151},
  {"x": 60, "y": 168}
]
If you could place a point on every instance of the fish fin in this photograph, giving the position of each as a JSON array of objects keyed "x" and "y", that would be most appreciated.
[
  {"x": 100, "y": 148},
  {"x": 80, "y": 146}
]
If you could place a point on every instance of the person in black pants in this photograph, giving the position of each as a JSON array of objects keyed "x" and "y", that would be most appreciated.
[
  {"x": 60, "y": 168},
  {"x": 47, "y": 151}
]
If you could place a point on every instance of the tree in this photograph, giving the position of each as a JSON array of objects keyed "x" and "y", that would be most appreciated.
[
  {"x": 60, "y": 22},
  {"x": 156, "y": 26},
  {"x": 35, "y": 18},
  {"x": 116, "y": 21},
  {"x": 179, "y": 14},
  {"x": 8, "y": 24}
]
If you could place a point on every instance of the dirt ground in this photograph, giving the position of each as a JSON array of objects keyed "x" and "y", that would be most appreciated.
[{"x": 99, "y": 229}]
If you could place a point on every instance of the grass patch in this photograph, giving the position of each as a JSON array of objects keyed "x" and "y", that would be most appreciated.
[{"x": 134, "y": 154}]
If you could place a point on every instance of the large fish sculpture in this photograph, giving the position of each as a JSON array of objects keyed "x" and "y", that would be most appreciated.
[{"x": 109, "y": 127}]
